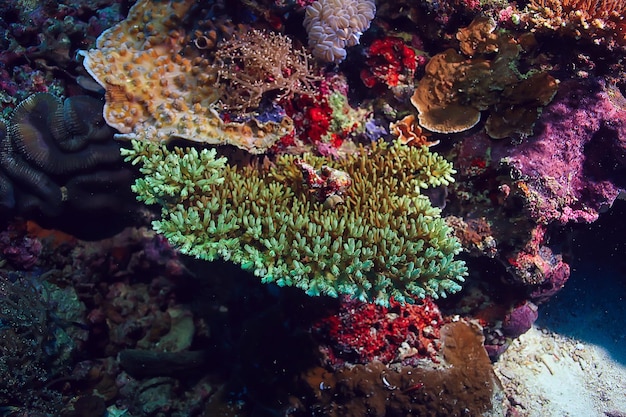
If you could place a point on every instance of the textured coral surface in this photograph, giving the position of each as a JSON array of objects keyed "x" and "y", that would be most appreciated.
[{"x": 396, "y": 246}]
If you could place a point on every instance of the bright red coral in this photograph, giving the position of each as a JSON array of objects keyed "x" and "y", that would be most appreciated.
[
  {"x": 361, "y": 332},
  {"x": 390, "y": 62},
  {"x": 315, "y": 123},
  {"x": 311, "y": 117}
]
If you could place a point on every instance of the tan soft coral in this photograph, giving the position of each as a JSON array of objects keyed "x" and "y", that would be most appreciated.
[
  {"x": 155, "y": 92},
  {"x": 255, "y": 63},
  {"x": 457, "y": 87}
]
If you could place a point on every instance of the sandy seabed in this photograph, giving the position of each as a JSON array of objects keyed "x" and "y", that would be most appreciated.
[{"x": 572, "y": 363}]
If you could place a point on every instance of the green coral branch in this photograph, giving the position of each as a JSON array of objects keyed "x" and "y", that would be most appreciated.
[{"x": 385, "y": 241}]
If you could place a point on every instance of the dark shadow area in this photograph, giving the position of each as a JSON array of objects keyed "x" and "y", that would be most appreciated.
[{"x": 592, "y": 305}]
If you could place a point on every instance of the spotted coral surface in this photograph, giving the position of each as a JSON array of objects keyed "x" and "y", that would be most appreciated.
[
  {"x": 154, "y": 92},
  {"x": 385, "y": 241}
]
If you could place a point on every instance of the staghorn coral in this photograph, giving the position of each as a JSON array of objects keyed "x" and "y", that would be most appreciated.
[
  {"x": 395, "y": 245},
  {"x": 456, "y": 88},
  {"x": 258, "y": 62},
  {"x": 155, "y": 92},
  {"x": 333, "y": 25}
]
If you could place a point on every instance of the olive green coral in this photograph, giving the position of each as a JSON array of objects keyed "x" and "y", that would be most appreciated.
[{"x": 385, "y": 241}]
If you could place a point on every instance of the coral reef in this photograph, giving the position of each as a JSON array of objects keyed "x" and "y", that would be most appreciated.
[
  {"x": 372, "y": 249},
  {"x": 374, "y": 389},
  {"x": 361, "y": 333},
  {"x": 35, "y": 344},
  {"x": 409, "y": 132},
  {"x": 308, "y": 166},
  {"x": 324, "y": 121},
  {"x": 566, "y": 171},
  {"x": 20, "y": 250},
  {"x": 392, "y": 63},
  {"x": 333, "y": 25},
  {"x": 171, "y": 95},
  {"x": 38, "y": 41},
  {"x": 601, "y": 21},
  {"x": 520, "y": 319},
  {"x": 327, "y": 184}
]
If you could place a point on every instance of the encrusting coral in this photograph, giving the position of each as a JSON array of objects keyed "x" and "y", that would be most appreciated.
[
  {"x": 155, "y": 92},
  {"x": 384, "y": 241}
]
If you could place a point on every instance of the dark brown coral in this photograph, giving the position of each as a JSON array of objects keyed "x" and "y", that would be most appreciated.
[
  {"x": 464, "y": 386},
  {"x": 60, "y": 166}
]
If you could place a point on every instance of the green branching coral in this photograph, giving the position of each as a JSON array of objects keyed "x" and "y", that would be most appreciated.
[{"x": 385, "y": 241}]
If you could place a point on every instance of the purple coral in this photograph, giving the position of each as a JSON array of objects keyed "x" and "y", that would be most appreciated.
[
  {"x": 20, "y": 250},
  {"x": 520, "y": 319},
  {"x": 572, "y": 166}
]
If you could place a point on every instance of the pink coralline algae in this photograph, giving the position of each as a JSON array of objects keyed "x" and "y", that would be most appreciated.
[
  {"x": 535, "y": 265},
  {"x": 572, "y": 168}
]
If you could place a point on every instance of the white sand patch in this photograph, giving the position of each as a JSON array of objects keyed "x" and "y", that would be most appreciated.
[{"x": 549, "y": 375}]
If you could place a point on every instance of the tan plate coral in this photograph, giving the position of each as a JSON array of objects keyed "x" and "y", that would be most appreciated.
[
  {"x": 457, "y": 87},
  {"x": 155, "y": 93}
]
